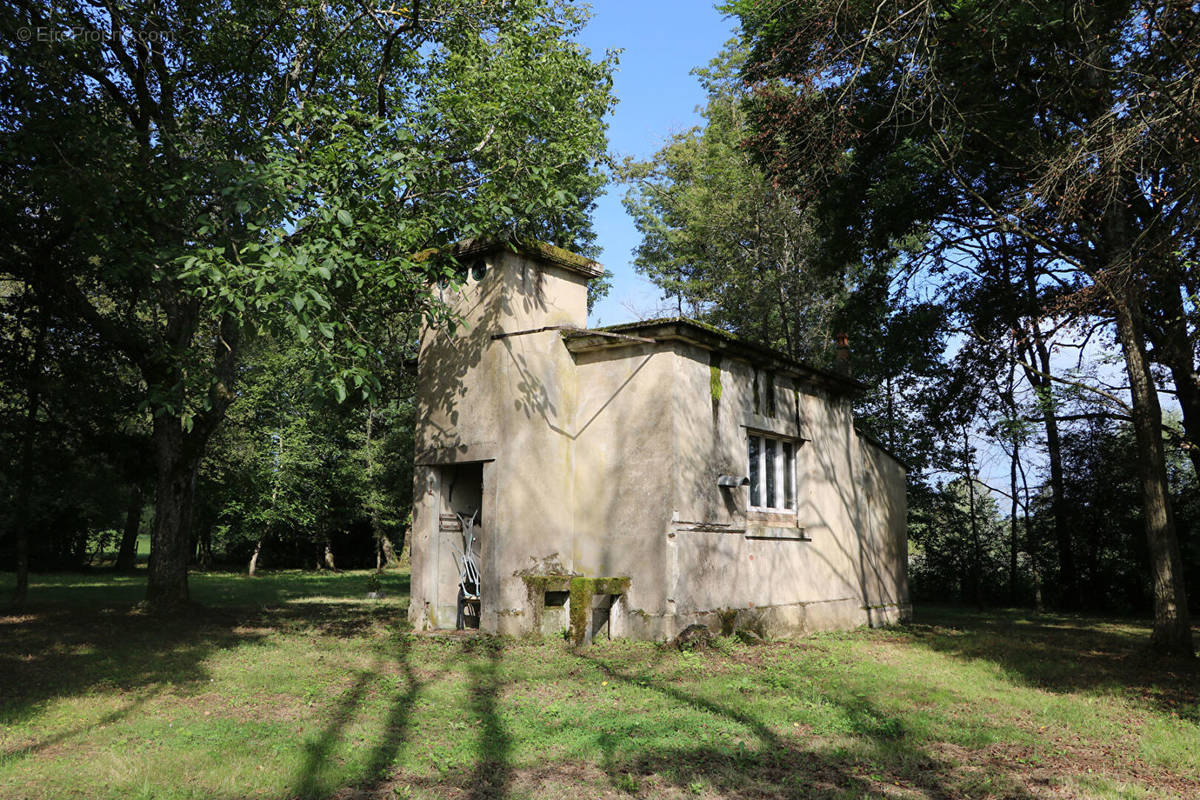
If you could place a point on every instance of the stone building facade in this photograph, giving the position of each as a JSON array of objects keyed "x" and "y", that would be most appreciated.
[{"x": 637, "y": 479}]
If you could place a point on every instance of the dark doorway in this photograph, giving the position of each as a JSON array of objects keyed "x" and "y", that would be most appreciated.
[{"x": 462, "y": 530}]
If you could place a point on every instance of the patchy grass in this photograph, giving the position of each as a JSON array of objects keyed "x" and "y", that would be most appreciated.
[{"x": 293, "y": 685}]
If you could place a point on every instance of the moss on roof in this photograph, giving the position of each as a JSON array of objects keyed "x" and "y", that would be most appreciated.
[
  {"x": 724, "y": 334},
  {"x": 528, "y": 247},
  {"x": 746, "y": 347},
  {"x": 559, "y": 255}
]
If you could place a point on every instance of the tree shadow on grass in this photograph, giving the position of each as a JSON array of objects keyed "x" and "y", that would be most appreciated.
[
  {"x": 493, "y": 771},
  {"x": 64, "y": 651},
  {"x": 395, "y": 733},
  {"x": 491, "y": 774},
  {"x": 110, "y": 718},
  {"x": 884, "y": 760},
  {"x": 94, "y": 589},
  {"x": 1066, "y": 653},
  {"x": 318, "y": 750},
  {"x": 487, "y": 780},
  {"x": 396, "y": 729},
  {"x": 61, "y": 654}
]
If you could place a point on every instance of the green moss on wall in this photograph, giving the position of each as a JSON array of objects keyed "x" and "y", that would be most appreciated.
[
  {"x": 540, "y": 584},
  {"x": 714, "y": 377},
  {"x": 611, "y": 585},
  {"x": 582, "y": 592}
]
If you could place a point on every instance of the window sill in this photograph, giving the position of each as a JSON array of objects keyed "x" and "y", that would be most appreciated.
[
  {"x": 778, "y": 518},
  {"x": 790, "y": 533}
]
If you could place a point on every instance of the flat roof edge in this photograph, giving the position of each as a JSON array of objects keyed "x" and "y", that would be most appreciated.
[
  {"x": 682, "y": 329},
  {"x": 540, "y": 251}
]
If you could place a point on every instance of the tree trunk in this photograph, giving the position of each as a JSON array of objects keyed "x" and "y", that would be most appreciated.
[
  {"x": 1172, "y": 623},
  {"x": 33, "y": 399},
  {"x": 1174, "y": 349},
  {"x": 204, "y": 545},
  {"x": 1012, "y": 522},
  {"x": 385, "y": 554},
  {"x": 1034, "y": 571},
  {"x": 1067, "y": 571},
  {"x": 402, "y": 554},
  {"x": 1062, "y": 532},
  {"x": 177, "y": 459},
  {"x": 127, "y": 553},
  {"x": 976, "y": 566},
  {"x": 1038, "y": 352},
  {"x": 389, "y": 552},
  {"x": 1010, "y": 401},
  {"x": 1187, "y": 392},
  {"x": 177, "y": 456},
  {"x": 254, "y": 557}
]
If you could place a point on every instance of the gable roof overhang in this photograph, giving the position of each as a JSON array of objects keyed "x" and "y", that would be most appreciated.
[{"x": 681, "y": 329}]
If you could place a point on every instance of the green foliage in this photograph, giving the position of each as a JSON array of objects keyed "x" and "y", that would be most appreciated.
[
  {"x": 1061, "y": 166},
  {"x": 720, "y": 240},
  {"x": 1103, "y": 515},
  {"x": 736, "y": 251},
  {"x": 180, "y": 179},
  {"x": 943, "y": 561},
  {"x": 274, "y": 469},
  {"x": 294, "y": 467},
  {"x": 1102, "y": 492},
  {"x": 87, "y": 443}
]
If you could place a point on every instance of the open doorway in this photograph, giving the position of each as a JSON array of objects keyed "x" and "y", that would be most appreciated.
[{"x": 462, "y": 531}]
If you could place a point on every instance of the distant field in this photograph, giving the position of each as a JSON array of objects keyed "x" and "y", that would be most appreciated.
[{"x": 293, "y": 685}]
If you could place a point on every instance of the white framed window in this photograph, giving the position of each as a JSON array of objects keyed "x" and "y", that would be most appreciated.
[{"x": 771, "y": 465}]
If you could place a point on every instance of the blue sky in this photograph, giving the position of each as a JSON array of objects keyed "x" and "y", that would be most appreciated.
[{"x": 662, "y": 41}]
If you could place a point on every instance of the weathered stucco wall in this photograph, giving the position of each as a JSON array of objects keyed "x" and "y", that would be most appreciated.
[
  {"x": 602, "y": 460},
  {"x": 535, "y": 493},
  {"x": 838, "y": 560},
  {"x": 624, "y": 457},
  {"x": 507, "y": 402}
]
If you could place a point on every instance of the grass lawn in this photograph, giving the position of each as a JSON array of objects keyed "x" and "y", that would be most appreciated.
[{"x": 293, "y": 685}]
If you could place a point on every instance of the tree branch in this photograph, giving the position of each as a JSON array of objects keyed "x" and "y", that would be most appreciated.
[{"x": 411, "y": 25}]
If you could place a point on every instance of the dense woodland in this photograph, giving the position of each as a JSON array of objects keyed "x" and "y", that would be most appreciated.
[
  {"x": 220, "y": 241},
  {"x": 222, "y": 226}
]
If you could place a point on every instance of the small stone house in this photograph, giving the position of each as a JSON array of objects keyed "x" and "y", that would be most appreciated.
[{"x": 640, "y": 478}]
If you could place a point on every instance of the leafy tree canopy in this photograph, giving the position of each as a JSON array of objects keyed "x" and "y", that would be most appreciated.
[
  {"x": 181, "y": 176},
  {"x": 936, "y": 126}
]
